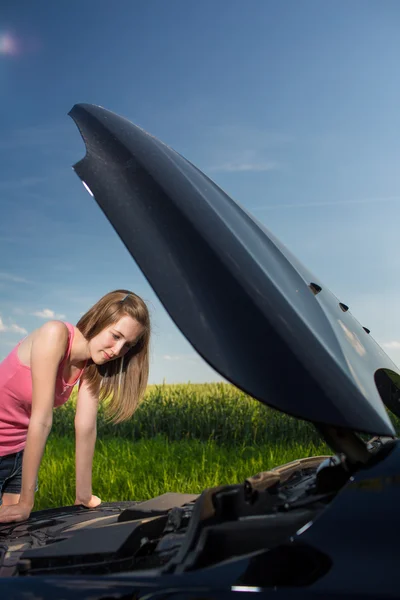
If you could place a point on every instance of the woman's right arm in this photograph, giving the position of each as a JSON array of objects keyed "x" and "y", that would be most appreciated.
[{"x": 48, "y": 349}]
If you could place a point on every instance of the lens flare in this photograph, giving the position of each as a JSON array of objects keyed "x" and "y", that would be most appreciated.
[{"x": 8, "y": 44}]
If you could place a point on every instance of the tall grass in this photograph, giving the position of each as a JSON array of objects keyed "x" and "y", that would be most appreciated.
[
  {"x": 182, "y": 438},
  {"x": 137, "y": 471},
  {"x": 216, "y": 411}
]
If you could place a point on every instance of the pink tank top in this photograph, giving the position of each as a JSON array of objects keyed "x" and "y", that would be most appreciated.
[{"x": 16, "y": 397}]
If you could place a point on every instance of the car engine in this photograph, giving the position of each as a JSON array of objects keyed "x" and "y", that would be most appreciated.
[{"x": 176, "y": 533}]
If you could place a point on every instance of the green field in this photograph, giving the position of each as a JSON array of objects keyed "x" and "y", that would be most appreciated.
[
  {"x": 216, "y": 411},
  {"x": 183, "y": 438},
  {"x": 125, "y": 470}
]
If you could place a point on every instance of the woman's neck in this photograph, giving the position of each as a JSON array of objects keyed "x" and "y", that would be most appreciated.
[{"x": 80, "y": 349}]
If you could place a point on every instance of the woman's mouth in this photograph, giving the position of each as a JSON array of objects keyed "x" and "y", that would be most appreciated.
[{"x": 106, "y": 355}]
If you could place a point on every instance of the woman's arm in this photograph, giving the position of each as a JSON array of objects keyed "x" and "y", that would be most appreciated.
[
  {"x": 48, "y": 348},
  {"x": 85, "y": 440}
]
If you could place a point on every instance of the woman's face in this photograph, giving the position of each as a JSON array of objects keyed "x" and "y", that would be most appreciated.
[{"x": 115, "y": 340}]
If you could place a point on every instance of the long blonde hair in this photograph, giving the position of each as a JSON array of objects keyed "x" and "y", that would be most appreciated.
[{"x": 123, "y": 381}]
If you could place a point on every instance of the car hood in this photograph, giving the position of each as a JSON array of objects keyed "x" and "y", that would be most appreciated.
[{"x": 246, "y": 305}]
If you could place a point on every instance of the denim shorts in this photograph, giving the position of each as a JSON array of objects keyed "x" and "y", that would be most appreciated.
[{"x": 11, "y": 473}]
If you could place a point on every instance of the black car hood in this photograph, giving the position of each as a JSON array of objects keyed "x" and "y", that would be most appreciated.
[{"x": 248, "y": 307}]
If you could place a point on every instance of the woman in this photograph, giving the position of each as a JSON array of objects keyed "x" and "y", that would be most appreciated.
[{"x": 108, "y": 353}]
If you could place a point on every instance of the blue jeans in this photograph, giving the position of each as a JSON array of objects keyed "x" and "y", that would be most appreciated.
[{"x": 11, "y": 473}]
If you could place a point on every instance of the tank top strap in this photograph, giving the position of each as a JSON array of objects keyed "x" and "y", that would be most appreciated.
[{"x": 71, "y": 331}]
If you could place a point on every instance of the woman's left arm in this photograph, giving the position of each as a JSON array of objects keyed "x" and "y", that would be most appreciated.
[{"x": 85, "y": 441}]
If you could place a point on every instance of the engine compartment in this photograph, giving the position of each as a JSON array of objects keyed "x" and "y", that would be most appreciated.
[{"x": 176, "y": 533}]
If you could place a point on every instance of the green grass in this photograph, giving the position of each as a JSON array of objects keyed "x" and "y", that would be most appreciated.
[
  {"x": 217, "y": 411},
  {"x": 182, "y": 438},
  {"x": 125, "y": 470}
]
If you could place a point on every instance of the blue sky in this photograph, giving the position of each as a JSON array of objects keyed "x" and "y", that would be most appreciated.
[{"x": 291, "y": 107}]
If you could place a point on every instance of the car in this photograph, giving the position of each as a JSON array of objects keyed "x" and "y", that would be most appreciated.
[{"x": 320, "y": 527}]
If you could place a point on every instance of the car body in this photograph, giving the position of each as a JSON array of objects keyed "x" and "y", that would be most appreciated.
[{"x": 319, "y": 527}]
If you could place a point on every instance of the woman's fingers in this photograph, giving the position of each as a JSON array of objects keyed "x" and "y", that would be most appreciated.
[
  {"x": 94, "y": 501},
  {"x": 14, "y": 513}
]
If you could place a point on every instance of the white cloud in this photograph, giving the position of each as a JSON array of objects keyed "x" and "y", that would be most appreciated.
[
  {"x": 47, "y": 313},
  {"x": 237, "y": 167},
  {"x": 14, "y": 328},
  {"x": 181, "y": 357},
  {"x": 394, "y": 345},
  {"x": 13, "y": 278},
  {"x": 240, "y": 149}
]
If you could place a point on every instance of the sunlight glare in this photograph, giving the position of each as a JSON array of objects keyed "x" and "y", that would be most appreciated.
[{"x": 8, "y": 44}]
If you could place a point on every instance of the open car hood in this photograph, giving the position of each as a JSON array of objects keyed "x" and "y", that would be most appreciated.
[{"x": 247, "y": 306}]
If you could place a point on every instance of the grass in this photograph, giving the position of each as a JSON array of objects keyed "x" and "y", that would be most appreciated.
[
  {"x": 216, "y": 411},
  {"x": 182, "y": 438},
  {"x": 125, "y": 470}
]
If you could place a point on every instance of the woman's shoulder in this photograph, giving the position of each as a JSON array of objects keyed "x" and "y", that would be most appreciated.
[
  {"x": 52, "y": 334},
  {"x": 56, "y": 330}
]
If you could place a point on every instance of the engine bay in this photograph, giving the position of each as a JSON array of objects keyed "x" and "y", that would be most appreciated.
[{"x": 175, "y": 533}]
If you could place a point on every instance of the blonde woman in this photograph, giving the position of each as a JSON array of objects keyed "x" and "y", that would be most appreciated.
[{"x": 107, "y": 352}]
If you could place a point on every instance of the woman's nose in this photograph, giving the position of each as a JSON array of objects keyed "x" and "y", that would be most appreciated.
[{"x": 118, "y": 348}]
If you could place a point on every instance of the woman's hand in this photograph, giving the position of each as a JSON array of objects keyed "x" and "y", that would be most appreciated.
[
  {"x": 92, "y": 502},
  {"x": 15, "y": 512}
]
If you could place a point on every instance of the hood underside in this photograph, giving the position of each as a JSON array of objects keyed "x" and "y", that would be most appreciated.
[{"x": 246, "y": 305}]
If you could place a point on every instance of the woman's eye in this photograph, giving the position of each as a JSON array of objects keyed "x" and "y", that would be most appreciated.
[{"x": 116, "y": 337}]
